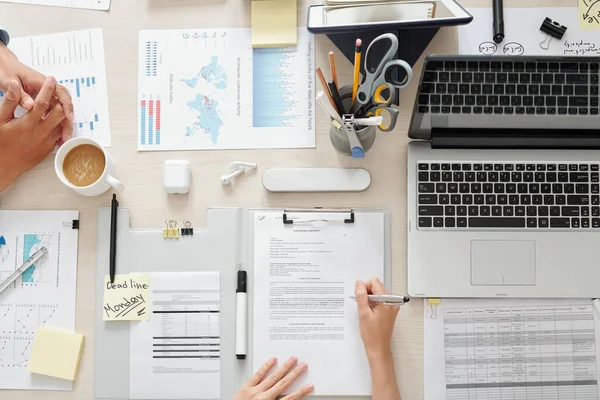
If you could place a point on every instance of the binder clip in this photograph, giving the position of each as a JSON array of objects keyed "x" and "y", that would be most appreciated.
[
  {"x": 188, "y": 230},
  {"x": 433, "y": 306},
  {"x": 171, "y": 232},
  {"x": 71, "y": 224},
  {"x": 552, "y": 29}
]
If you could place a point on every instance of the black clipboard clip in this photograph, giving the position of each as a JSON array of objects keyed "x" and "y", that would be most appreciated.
[{"x": 288, "y": 221}]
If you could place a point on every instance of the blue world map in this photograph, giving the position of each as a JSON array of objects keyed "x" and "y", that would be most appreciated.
[{"x": 208, "y": 120}]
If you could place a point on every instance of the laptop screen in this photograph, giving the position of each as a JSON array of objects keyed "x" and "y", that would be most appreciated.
[{"x": 479, "y": 94}]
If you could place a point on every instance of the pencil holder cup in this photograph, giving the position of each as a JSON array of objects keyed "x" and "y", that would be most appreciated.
[{"x": 339, "y": 139}]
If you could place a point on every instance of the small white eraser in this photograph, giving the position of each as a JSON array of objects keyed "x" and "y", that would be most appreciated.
[{"x": 177, "y": 176}]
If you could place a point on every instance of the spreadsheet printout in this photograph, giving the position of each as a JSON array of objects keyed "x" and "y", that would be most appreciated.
[{"x": 511, "y": 349}]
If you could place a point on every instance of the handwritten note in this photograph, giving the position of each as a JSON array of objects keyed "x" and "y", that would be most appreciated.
[
  {"x": 523, "y": 34},
  {"x": 127, "y": 298},
  {"x": 589, "y": 14}
]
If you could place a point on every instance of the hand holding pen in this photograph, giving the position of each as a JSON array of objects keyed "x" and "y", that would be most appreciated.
[{"x": 376, "y": 320}]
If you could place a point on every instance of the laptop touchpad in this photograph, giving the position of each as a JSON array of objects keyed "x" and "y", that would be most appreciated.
[{"x": 510, "y": 262}]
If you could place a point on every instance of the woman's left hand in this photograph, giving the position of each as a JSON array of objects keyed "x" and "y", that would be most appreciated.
[{"x": 269, "y": 388}]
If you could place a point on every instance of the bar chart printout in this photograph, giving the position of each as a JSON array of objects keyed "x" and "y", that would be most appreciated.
[{"x": 511, "y": 349}]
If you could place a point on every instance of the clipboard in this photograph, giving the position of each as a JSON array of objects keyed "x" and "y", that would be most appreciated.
[{"x": 225, "y": 241}]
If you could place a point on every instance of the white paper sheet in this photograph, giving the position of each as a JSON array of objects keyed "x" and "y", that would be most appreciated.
[
  {"x": 76, "y": 59},
  {"x": 176, "y": 354},
  {"x": 88, "y": 4},
  {"x": 304, "y": 275},
  {"x": 511, "y": 349},
  {"x": 208, "y": 89},
  {"x": 523, "y": 35},
  {"x": 43, "y": 296}
]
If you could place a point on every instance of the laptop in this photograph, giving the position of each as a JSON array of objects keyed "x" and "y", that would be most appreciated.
[{"x": 503, "y": 178}]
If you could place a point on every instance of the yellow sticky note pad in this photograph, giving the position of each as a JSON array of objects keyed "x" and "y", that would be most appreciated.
[
  {"x": 127, "y": 298},
  {"x": 274, "y": 23},
  {"x": 56, "y": 353},
  {"x": 589, "y": 14}
]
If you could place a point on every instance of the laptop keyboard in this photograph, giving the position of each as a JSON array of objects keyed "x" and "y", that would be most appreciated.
[
  {"x": 457, "y": 195},
  {"x": 509, "y": 87}
]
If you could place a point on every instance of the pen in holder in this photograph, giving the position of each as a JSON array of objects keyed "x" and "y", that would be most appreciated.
[{"x": 339, "y": 137}]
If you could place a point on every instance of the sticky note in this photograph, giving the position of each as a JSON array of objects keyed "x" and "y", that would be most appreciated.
[
  {"x": 589, "y": 14},
  {"x": 274, "y": 23},
  {"x": 127, "y": 298},
  {"x": 56, "y": 353}
]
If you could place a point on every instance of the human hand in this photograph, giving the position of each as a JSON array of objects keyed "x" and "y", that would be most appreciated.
[
  {"x": 27, "y": 140},
  {"x": 30, "y": 83},
  {"x": 376, "y": 321},
  {"x": 269, "y": 388}
]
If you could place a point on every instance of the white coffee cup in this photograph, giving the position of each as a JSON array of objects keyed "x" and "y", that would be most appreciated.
[{"x": 105, "y": 182}]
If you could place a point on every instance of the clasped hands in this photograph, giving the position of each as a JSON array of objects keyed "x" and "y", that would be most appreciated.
[{"x": 48, "y": 121}]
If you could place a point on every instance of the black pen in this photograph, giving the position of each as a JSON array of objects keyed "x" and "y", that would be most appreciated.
[
  {"x": 113, "y": 237},
  {"x": 498, "y": 21},
  {"x": 336, "y": 98}
]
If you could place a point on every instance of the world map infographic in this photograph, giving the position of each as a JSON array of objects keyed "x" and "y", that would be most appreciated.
[{"x": 208, "y": 121}]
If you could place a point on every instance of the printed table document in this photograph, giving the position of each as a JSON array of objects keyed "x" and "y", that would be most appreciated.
[
  {"x": 525, "y": 349},
  {"x": 208, "y": 89},
  {"x": 304, "y": 275},
  {"x": 177, "y": 353},
  {"x": 44, "y": 295},
  {"x": 76, "y": 60}
]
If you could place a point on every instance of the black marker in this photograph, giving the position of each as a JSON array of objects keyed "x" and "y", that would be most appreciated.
[
  {"x": 498, "y": 21},
  {"x": 241, "y": 324}
]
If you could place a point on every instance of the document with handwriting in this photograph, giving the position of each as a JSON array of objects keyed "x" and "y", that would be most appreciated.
[
  {"x": 177, "y": 353},
  {"x": 523, "y": 35},
  {"x": 304, "y": 275}
]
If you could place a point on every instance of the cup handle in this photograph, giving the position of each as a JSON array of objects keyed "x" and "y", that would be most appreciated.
[{"x": 115, "y": 183}]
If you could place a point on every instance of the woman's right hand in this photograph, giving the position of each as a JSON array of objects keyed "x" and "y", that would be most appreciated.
[{"x": 376, "y": 320}]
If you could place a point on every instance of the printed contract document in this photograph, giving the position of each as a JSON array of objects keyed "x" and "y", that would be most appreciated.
[{"x": 304, "y": 275}]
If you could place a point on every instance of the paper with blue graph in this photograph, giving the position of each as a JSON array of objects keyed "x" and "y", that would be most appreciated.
[
  {"x": 208, "y": 89},
  {"x": 44, "y": 295},
  {"x": 76, "y": 59}
]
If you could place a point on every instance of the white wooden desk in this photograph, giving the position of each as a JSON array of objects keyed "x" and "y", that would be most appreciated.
[{"x": 142, "y": 172}]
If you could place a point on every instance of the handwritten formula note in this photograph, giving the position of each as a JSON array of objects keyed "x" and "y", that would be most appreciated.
[
  {"x": 127, "y": 298},
  {"x": 523, "y": 34},
  {"x": 589, "y": 14}
]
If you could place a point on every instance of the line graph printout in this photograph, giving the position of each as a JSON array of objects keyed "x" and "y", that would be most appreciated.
[
  {"x": 208, "y": 89},
  {"x": 511, "y": 349},
  {"x": 44, "y": 295}
]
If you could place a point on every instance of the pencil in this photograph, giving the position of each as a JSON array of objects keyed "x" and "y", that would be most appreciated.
[
  {"x": 325, "y": 87},
  {"x": 356, "y": 77},
  {"x": 333, "y": 69},
  {"x": 337, "y": 100}
]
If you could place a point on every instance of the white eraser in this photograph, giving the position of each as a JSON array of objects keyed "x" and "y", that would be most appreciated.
[{"x": 177, "y": 176}]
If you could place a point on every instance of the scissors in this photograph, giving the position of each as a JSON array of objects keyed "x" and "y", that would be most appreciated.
[
  {"x": 378, "y": 75},
  {"x": 389, "y": 114}
]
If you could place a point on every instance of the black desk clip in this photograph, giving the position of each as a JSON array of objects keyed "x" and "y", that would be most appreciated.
[
  {"x": 552, "y": 29},
  {"x": 289, "y": 221}
]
